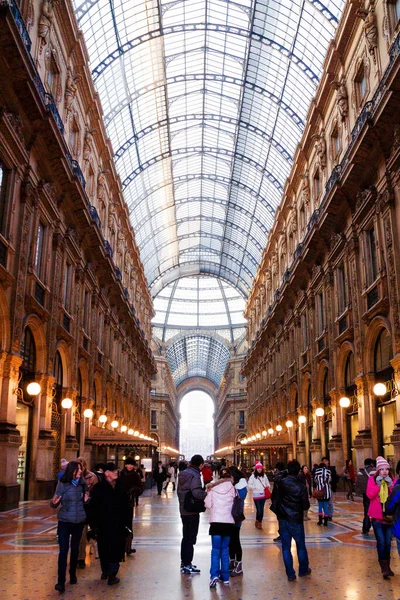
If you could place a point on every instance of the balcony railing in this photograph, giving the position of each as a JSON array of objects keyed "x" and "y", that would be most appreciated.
[
  {"x": 19, "y": 23},
  {"x": 95, "y": 215}
]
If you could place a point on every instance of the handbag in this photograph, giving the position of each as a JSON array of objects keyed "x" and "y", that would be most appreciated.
[
  {"x": 237, "y": 509},
  {"x": 267, "y": 491},
  {"x": 318, "y": 494},
  {"x": 191, "y": 504}
]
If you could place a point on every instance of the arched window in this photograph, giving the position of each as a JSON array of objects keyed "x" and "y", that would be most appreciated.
[
  {"x": 383, "y": 352},
  {"x": 58, "y": 370},
  {"x": 28, "y": 352},
  {"x": 349, "y": 371},
  {"x": 326, "y": 386}
]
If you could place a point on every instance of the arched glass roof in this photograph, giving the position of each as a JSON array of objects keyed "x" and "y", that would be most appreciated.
[
  {"x": 197, "y": 356},
  {"x": 205, "y": 102},
  {"x": 199, "y": 303}
]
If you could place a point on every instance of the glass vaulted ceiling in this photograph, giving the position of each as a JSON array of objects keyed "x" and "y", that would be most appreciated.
[{"x": 205, "y": 102}]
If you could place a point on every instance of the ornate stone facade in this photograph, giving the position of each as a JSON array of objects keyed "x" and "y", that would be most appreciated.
[
  {"x": 75, "y": 310},
  {"x": 164, "y": 419},
  {"x": 329, "y": 324}
]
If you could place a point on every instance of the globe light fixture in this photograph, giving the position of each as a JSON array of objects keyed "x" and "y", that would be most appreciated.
[
  {"x": 380, "y": 389},
  {"x": 141, "y": 435},
  {"x": 320, "y": 412},
  {"x": 130, "y": 431},
  {"x": 344, "y": 402},
  {"x": 103, "y": 419},
  {"x": 33, "y": 388},
  {"x": 137, "y": 457},
  {"x": 264, "y": 433},
  {"x": 270, "y": 431},
  {"x": 124, "y": 428},
  {"x": 136, "y": 433},
  {"x": 88, "y": 413},
  {"x": 66, "y": 403},
  {"x": 289, "y": 424},
  {"x": 278, "y": 427},
  {"x": 114, "y": 424},
  {"x": 302, "y": 419},
  {"x": 258, "y": 436}
]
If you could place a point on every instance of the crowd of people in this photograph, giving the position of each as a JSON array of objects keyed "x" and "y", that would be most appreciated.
[{"x": 100, "y": 505}]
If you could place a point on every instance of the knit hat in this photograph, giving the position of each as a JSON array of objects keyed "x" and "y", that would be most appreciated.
[
  {"x": 258, "y": 465},
  {"x": 382, "y": 463}
]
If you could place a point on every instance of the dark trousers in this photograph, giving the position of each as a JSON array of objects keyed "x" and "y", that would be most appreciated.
[
  {"x": 65, "y": 532},
  {"x": 259, "y": 503},
  {"x": 235, "y": 547},
  {"x": 190, "y": 527},
  {"x": 383, "y": 534},
  {"x": 366, "y": 526},
  {"x": 107, "y": 567},
  {"x": 296, "y": 531},
  {"x": 159, "y": 486}
]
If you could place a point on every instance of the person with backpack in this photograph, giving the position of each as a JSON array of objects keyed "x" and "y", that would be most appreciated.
[
  {"x": 190, "y": 481},
  {"x": 361, "y": 483},
  {"x": 219, "y": 501}
]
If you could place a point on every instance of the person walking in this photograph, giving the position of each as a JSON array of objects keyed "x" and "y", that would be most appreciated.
[
  {"x": 219, "y": 501},
  {"x": 107, "y": 515},
  {"x": 393, "y": 505},
  {"x": 289, "y": 500},
  {"x": 322, "y": 481},
  {"x": 379, "y": 487},
  {"x": 361, "y": 484},
  {"x": 170, "y": 478},
  {"x": 349, "y": 477},
  {"x": 258, "y": 482},
  {"x": 189, "y": 481},
  {"x": 235, "y": 547},
  {"x": 70, "y": 495},
  {"x": 333, "y": 484},
  {"x": 207, "y": 473},
  {"x": 159, "y": 476},
  {"x": 131, "y": 485},
  {"x": 305, "y": 478},
  {"x": 91, "y": 480}
]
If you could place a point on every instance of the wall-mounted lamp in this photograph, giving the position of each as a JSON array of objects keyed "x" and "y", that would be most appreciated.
[
  {"x": 289, "y": 424},
  {"x": 130, "y": 431},
  {"x": 258, "y": 436},
  {"x": 380, "y": 389},
  {"x": 32, "y": 389},
  {"x": 302, "y": 419},
  {"x": 88, "y": 413},
  {"x": 114, "y": 424},
  {"x": 320, "y": 412},
  {"x": 66, "y": 403},
  {"x": 136, "y": 433},
  {"x": 344, "y": 402},
  {"x": 264, "y": 433},
  {"x": 270, "y": 431},
  {"x": 124, "y": 428},
  {"x": 103, "y": 419},
  {"x": 278, "y": 428}
]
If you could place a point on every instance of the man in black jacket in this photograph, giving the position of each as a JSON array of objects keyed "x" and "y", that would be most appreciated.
[
  {"x": 159, "y": 476},
  {"x": 289, "y": 500}
]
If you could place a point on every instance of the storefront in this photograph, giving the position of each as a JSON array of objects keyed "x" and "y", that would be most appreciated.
[{"x": 110, "y": 445}]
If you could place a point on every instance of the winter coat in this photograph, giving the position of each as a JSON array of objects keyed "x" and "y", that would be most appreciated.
[
  {"x": 159, "y": 476},
  {"x": 219, "y": 501},
  {"x": 131, "y": 484},
  {"x": 90, "y": 478},
  {"x": 207, "y": 474},
  {"x": 171, "y": 474},
  {"x": 393, "y": 505},
  {"x": 108, "y": 509},
  {"x": 289, "y": 498},
  {"x": 375, "y": 510},
  {"x": 72, "y": 501},
  {"x": 322, "y": 481},
  {"x": 257, "y": 484},
  {"x": 189, "y": 479}
]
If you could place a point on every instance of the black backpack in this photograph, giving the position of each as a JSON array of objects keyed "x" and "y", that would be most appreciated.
[
  {"x": 237, "y": 509},
  {"x": 193, "y": 505}
]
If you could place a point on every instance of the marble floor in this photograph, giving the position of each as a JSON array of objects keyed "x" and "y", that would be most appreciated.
[{"x": 344, "y": 563}]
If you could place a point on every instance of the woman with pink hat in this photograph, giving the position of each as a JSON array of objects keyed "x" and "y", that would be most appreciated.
[
  {"x": 259, "y": 482},
  {"x": 378, "y": 489}
]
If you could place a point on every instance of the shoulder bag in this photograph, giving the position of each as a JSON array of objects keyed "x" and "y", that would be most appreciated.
[
  {"x": 237, "y": 509},
  {"x": 191, "y": 504},
  {"x": 267, "y": 491}
]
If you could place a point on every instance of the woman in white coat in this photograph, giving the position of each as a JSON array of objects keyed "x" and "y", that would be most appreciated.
[
  {"x": 257, "y": 483},
  {"x": 219, "y": 500}
]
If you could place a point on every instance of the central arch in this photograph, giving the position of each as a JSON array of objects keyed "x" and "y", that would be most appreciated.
[{"x": 196, "y": 435}]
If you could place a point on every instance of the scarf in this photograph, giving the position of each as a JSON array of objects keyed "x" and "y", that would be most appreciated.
[
  {"x": 383, "y": 492},
  {"x": 75, "y": 482}
]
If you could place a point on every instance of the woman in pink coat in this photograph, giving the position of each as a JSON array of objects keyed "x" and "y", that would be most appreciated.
[
  {"x": 219, "y": 501},
  {"x": 378, "y": 489}
]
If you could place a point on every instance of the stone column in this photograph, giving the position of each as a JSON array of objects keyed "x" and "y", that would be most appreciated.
[
  {"x": 395, "y": 439},
  {"x": 42, "y": 453},
  {"x": 315, "y": 446},
  {"x": 335, "y": 445},
  {"x": 10, "y": 439},
  {"x": 363, "y": 440}
]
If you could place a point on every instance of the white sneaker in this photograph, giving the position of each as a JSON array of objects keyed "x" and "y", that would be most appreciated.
[{"x": 213, "y": 582}]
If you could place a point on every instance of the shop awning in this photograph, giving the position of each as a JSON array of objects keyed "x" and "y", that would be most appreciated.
[{"x": 100, "y": 436}]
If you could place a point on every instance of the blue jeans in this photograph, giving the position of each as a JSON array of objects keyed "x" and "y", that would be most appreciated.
[
  {"x": 220, "y": 557},
  {"x": 383, "y": 534},
  {"x": 323, "y": 507},
  {"x": 296, "y": 531},
  {"x": 65, "y": 531},
  {"x": 398, "y": 545},
  {"x": 259, "y": 508}
]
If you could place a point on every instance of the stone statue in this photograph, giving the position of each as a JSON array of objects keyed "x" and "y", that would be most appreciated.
[
  {"x": 342, "y": 99},
  {"x": 305, "y": 192},
  {"x": 268, "y": 282},
  {"x": 88, "y": 145},
  {"x": 320, "y": 145},
  {"x": 370, "y": 28},
  {"x": 71, "y": 88},
  {"x": 46, "y": 20}
]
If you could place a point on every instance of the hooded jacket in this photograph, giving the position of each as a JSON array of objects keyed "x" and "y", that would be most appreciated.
[
  {"x": 189, "y": 479},
  {"x": 219, "y": 500},
  {"x": 289, "y": 498}
]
